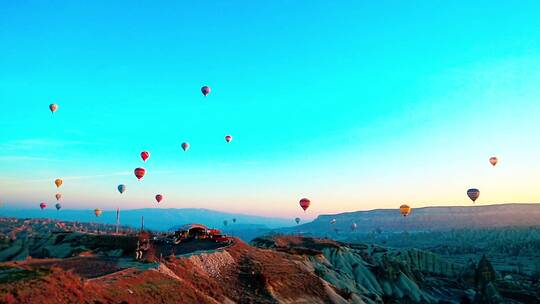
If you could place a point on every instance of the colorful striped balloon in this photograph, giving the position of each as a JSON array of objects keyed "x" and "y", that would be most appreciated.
[{"x": 139, "y": 173}]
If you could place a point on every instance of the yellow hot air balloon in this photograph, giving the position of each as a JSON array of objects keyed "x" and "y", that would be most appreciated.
[
  {"x": 97, "y": 212},
  {"x": 58, "y": 182},
  {"x": 404, "y": 210}
]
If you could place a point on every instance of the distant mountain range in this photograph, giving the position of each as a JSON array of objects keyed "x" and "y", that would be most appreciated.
[
  {"x": 422, "y": 219},
  {"x": 248, "y": 227},
  {"x": 157, "y": 218}
]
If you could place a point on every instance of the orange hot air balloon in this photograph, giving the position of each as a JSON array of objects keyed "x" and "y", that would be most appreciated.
[
  {"x": 304, "y": 203},
  {"x": 98, "y": 212},
  {"x": 42, "y": 205},
  {"x": 139, "y": 172},
  {"x": 205, "y": 90},
  {"x": 493, "y": 160},
  {"x": 145, "y": 155},
  {"x": 473, "y": 194},
  {"x": 228, "y": 138},
  {"x": 159, "y": 198},
  {"x": 58, "y": 182},
  {"x": 58, "y": 196},
  {"x": 53, "y": 107},
  {"x": 404, "y": 210}
]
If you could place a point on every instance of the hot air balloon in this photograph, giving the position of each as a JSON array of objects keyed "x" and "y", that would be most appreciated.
[
  {"x": 333, "y": 221},
  {"x": 205, "y": 90},
  {"x": 97, "y": 212},
  {"x": 42, "y": 205},
  {"x": 228, "y": 138},
  {"x": 297, "y": 220},
  {"x": 53, "y": 107},
  {"x": 122, "y": 187},
  {"x": 159, "y": 197},
  {"x": 58, "y": 182},
  {"x": 304, "y": 203},
  {"x": 493, "y": 160},
  {"x": 404, "y": 210},
  {"x": 354, "y": 226},
  {"x": 473, "y": 194},
  {"x": 58, "y": 206},
  {"x": 185, "y": 146},
  {"x": 58, "y": 196},
  {"x": 234, "y": 220},
  {"x": 145, "y": 155},
  {"x": 225, "y": 222},
  {"x": 139, "y": 172}
]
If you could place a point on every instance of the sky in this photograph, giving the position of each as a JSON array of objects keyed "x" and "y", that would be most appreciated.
[{"x": 356, "y": 105}]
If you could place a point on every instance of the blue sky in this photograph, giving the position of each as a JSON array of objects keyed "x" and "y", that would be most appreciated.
[{"x": 356, "y": 105}]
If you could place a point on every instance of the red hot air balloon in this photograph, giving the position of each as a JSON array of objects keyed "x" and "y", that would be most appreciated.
[
  {"x": 53, "y": 107},
  {"x": 304, "y": 203},
  {"x": 473, "y": 194},
  {"x": 228, "y": 138},
  {"x": 42, "y": 205},
  {"x": 145, "y": 155},
  {"x": 205, "y": 90},
  {"x": 139, "y": 173},
  {"x": 185, "y": 146},
  {"x": 159, "y": 198}
]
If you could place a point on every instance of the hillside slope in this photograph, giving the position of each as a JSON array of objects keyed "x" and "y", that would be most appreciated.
[{"x": 274, "y": 270}]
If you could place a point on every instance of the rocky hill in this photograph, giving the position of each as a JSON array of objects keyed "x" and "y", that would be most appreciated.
[{"x": 286, "y": 269}]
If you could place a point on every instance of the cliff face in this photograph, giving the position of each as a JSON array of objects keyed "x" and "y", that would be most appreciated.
[{"x": 374, "y": 274}]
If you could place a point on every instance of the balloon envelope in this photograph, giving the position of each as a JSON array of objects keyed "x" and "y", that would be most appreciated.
[
  {"x": 58, "y": 182},
  {"x": 225, "y": 222},
  {"x": 139, "y": 172},
  {"x": 228, "y": 138},
  {"x": 304, "y": 203},
  {"x": 145, "y": 155},
  {"x": 159, "y": 197},
  {"x": 205, "y": 90},
  {"x": 333, "y": 221},
  {"x": 404, "y": 210},
  {"x": 42, "y": 206},
  {"x": 473, "y": 194},
  {"x": 234, "y": 220},
  {"x": 354, "y": 226},
  {"x": 121, "y": 188},
  {"x": 97, "y": 212},
  {"x": 493, "y": 160},
  {"x": 58, "y": 206},
  {"x": 53, "y": 107},
  {"x": 297, "y": 220},
  {"x": 185, "y": 146},
  {"x": 58, "y": 196}
]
